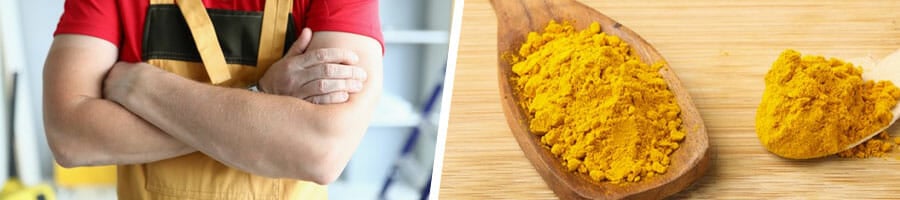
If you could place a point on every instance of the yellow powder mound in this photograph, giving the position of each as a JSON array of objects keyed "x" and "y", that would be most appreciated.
[
  {"x": 815, "y": 107},
  {"x": 601, "y": 110}
]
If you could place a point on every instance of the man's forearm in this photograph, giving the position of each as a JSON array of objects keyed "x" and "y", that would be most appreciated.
[
  {"x": 82, "y": 128},
  {"x": 270, "y": 135},
  {"x": 116, "y": 137}
]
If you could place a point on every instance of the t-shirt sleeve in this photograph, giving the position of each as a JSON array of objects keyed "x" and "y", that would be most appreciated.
[
  {"x": 98, "y": 18},
  {"x": 352, "y": 16}
]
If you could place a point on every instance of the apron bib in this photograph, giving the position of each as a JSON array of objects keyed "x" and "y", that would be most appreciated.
[{"x": 199, "y": 56}]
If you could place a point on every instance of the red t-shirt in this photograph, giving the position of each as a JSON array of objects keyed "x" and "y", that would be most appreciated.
[{"x": 122, "y": 21}]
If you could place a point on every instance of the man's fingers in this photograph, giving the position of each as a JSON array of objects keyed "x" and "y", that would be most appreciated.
[
  {"x": 332, "y": 71},
  {"x": 330, "y": 98},
  {"x": 305, "y": 37},
  {"x": 328, "y": 55},
  {"x": 325, "y": 86},
  {"x": 301, "y": 44}
]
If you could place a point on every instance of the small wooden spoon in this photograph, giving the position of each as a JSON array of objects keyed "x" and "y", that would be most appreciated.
[
  {"x": 518, "y": 18},
  {"x": 887, "y": 69}
]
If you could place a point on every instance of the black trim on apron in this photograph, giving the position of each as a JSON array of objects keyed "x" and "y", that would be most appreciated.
[{"x": 167, "y": 36}]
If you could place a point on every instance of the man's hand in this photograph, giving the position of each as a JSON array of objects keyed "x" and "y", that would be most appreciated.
[{"x": 324, "y": 76}]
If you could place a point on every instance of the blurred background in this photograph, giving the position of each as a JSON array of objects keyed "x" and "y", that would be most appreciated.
[{"x": 394, "y": 160}]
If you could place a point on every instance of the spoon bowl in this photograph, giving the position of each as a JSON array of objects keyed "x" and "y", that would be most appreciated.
[
  {"x": 887, "y": 69},
  {"x": 516, "y": 18}
]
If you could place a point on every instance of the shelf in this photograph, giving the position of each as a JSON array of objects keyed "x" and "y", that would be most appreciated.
[
  {"x": 416, "y": 37},
  {"x": 394, "y": 111}
]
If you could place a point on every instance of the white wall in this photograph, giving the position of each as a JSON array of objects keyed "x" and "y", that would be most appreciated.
[{"x": 39, "y": 18}]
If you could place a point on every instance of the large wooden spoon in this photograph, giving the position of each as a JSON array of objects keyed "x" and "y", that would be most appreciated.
[{"x": 519, "y": 17}]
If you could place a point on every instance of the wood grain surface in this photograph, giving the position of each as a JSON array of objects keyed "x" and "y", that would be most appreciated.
[{"x": 721, "y": 50}]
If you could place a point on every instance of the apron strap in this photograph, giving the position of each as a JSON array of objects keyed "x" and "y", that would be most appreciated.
[
  {"x": 205, "y": 37},
  {"x": 272, "y": 34}
]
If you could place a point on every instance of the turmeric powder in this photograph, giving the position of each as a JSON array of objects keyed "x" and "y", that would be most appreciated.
[
  {"x": 875, "y": 147},
  {"x": 596, "y": 106},
  {"x": 815, "y": 107}
]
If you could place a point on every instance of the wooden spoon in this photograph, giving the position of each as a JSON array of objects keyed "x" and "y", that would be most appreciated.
[
  {"x": 887, "y": 69},
  {"x": 519, "y": 17}
]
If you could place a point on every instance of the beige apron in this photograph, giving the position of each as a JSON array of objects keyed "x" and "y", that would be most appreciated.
[{"x": 197, "y": 176}]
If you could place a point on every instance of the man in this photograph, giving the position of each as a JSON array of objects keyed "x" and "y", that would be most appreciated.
[{"x": 177, "y": 138}]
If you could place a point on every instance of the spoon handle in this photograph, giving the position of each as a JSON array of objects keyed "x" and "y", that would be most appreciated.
[
  {"x": 518, "y": 17},
  {"x": 888, "y": 68}
]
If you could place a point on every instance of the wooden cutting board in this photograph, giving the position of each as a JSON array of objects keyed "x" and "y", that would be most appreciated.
[{"x": 721, "y": 50}]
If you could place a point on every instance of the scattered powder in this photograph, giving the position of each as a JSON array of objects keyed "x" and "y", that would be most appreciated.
[{"x": 878, "y": 146}]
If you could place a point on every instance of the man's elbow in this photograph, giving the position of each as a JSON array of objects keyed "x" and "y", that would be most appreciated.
[
  {"x": 337, "y": 153},
  {"x": 328, "y": 170},
  {"x": 63, "y": 153},
  {"x": 337, "y": 138},
  {"x": 66, "y": 150},
  {"x": 67, "y": 162},
  {"x": 324, "y": 163}
]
